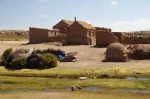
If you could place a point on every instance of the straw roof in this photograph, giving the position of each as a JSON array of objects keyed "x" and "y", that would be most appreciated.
[
  {"x": 67, "y": 21},
  {"x": 85, "y": 25},
  {"x": 64, "y": 21}
]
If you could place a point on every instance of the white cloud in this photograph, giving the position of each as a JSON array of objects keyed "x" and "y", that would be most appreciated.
[
  {"x": 139, "y": 22},
  {"x": 114, "y": 2},
  {"x": 89, "y": 22},
  {"x": 44, "y": 15},
  {"x": 122, "y": 23},
  {"x": 142, "y": 22},
  {"x": 37, "y": 26}
]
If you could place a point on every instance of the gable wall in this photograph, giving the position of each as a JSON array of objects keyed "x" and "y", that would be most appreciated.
[
  {"x": 61, "y": 26},
  {"x": 77, "y": 34}
]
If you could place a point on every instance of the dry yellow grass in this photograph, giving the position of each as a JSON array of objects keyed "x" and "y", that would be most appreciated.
[{"x": 72, "y": 95}]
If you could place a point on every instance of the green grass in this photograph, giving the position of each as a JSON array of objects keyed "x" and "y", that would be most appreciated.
[
  {"x": 62, "y": 78},
  {"x": 115, "y": 72},
  {"x": 13, "y": 38},
  {"x": 40, "y": 83}
]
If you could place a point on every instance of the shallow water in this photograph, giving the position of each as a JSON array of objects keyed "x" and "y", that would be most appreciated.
[
  {"x": 135, "y": 78},
  {"x": 138, "y": 91},
  {"x": 88, "y": 88},
  {"x": 92, "y": 88}
]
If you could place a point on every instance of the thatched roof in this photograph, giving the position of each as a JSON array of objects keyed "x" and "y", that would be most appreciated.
[
  {"x": 67, "y": 21},
  {"x": 85, "y": 25}
]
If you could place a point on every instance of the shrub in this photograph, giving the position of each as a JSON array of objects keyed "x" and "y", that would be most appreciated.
[
  {"x": 33, "y": 62},
  {"x": 18, "y": 63},
  {"x": 6, "y": 54},
  {"x": 48, "y": 60}
]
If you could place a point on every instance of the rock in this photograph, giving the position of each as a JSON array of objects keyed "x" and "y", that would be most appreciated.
[
  {"x": 83, "y": 78},
  {"x": 104, "y": 75},
  {"x": 137, "y": 72},
  {"x": 75, "y": 88}
]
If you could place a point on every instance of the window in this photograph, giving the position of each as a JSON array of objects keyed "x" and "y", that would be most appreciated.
[
  {"x": 89, "y": 33},
  {"x": 93, "y": 33}
]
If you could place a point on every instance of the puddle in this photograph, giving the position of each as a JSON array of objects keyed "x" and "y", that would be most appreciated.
[
  {"x": 88, "y": 88},
  {"x": 135, "y": 78},
  {"x": 93, "y": 89},
  {"x": 57, "y": 89},
  {"x": 139, "y": 91}
]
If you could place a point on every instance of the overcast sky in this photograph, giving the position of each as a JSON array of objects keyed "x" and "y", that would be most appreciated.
[{"x": 119, "y": 15}]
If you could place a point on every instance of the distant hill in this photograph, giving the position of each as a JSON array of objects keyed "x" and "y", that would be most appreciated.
[{"x": 14, "y": 32}]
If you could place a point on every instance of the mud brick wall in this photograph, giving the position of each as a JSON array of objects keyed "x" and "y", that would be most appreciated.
[
  {"x": 38, "y": 35},
  {"x": 140, "y": 37},
  {"x": 104, "y": 37},
  {"x": 119, "y": 36}
]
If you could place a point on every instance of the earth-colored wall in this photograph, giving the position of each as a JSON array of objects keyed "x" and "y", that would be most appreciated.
[
  {"x": 37, "y": 35},
  {"x": 105, "y": 37},
  {"x": 141, "y": 37},
  {"x": 119, "y": 36}
]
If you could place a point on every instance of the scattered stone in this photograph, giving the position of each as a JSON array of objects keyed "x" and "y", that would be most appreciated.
[
  {"x": 137, "y": 72},
  {"x": 75, "y": 88},
  {"x": 83, "y": 78},
  {"x": 104, "y": 75}
]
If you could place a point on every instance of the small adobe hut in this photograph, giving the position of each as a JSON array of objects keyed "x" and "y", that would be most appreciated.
[
  {"x": 104, "y": 37},
  {"x": 62, "y": 25},
  {"x": 116, "y": 52},
  {"x": 80, "y": 33},
  {"x": 40, "y": 35}
]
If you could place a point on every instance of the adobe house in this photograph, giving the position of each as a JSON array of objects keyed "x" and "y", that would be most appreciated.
[
  {"x": 62, "y": 25},
  {"x": 80, "y": 33},
  {"x": 104, "y": 36},
  {"x": 40, "y": 35}
]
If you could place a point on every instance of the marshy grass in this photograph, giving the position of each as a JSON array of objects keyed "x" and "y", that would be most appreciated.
[
  {"x": 41, "y": 83},
  {"x": 66, "y": 78}
]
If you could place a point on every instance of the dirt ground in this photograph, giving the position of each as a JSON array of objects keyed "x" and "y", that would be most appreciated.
[{"x": 88, "y": 56}]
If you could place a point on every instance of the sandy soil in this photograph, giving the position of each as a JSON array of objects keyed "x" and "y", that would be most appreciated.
[{"x": 88, "y": 56}]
